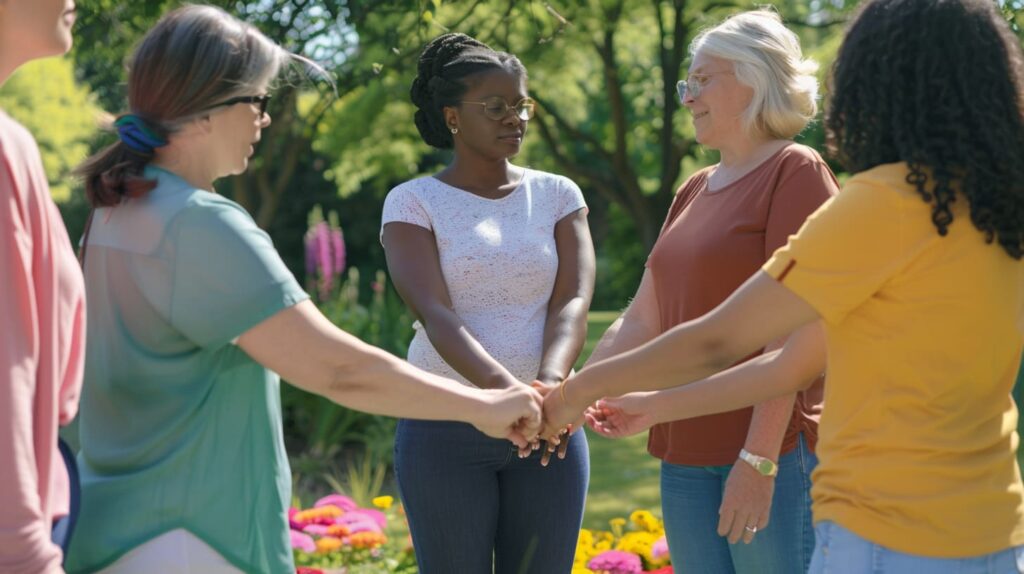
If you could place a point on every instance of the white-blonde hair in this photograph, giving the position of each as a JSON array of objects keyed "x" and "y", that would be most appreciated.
[{"x": 767, "y": 57}]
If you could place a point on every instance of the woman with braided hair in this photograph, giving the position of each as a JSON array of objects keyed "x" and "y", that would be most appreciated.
[
  {"x": 497, "y": 264},
  {"x": 194, "y": 315},
  {"x": 915, "y": 269}
]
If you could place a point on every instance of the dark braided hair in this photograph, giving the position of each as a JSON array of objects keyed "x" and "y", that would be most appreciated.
[
  {"x": 937, "y": 84},
  {"x": 444, "y": 67}
]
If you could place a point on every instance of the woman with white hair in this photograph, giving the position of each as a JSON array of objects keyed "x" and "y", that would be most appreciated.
[{"x": 724, "y": 477}]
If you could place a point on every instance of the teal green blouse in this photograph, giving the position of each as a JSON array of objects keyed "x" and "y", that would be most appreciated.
[{"x": 180, "y": 428}]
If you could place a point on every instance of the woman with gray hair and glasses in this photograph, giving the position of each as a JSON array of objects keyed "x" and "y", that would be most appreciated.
[
  {"x": 192, "y": 317},
  {"x": 724, "y": 477}
]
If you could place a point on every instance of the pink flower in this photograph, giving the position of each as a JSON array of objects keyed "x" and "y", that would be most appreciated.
[
  {"x": 303, "y": 542},
  {"x": 376, "y": 515},
  {"x": 616, "y": 562},
  {"x": 338, "y": 250},
  {"x": 316, "y": 529},
  {"x": 356, "y": 521},
  {"x": 341, "y": 501},
  {"x": 660, "y": 548}
]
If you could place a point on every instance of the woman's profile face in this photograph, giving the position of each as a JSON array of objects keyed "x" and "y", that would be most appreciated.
[
  {"x": 490, "y": 95},
  {"x": 37, "y": 28},
  {"x": 720, "y": 102},
  {"x": 237, "y": 129}
]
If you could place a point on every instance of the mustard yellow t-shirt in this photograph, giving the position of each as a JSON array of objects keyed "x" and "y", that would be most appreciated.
[{"x": 917, "y": 440}]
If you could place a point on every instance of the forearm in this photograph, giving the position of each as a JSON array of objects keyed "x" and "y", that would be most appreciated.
[
  {"x": 369, "y": 379},
  {"x": 768, "y": 426},
  {"x": 623, "y": 335},
  {"x": 463, "y": 352},
  {"x": 25, "y": 545},
  {"x": 751, "y": 382},
  {"x": 565, "y": 331},
  {"x": 655, "y": 365}
]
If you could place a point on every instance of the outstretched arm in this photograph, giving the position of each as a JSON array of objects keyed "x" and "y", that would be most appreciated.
[
  {"x": 306, "y": 349},
  {"x": 760, "y": 311}
]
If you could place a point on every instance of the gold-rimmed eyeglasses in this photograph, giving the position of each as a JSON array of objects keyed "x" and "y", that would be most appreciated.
[
  {"x": 694, "y": 84},
  {"x": 497, "y": 108}
]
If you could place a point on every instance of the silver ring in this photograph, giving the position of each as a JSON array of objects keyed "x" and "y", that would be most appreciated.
[{"x": 751, "y": 529}]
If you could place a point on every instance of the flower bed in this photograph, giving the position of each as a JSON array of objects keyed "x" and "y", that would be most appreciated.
[
  {"x": 630, "y": 547},
  {"x": 336, "y": 536}
]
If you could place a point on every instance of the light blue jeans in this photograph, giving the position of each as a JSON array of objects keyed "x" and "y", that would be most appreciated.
[
  {"x": 691, "y": 496},
  {"x": 839, "y": 551}
]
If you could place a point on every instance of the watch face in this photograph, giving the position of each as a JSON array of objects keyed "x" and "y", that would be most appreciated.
[{"x": 765, "y": 467}]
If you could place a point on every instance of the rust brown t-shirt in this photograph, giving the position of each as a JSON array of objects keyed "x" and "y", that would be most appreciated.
[{"x": 711, "y": 242}]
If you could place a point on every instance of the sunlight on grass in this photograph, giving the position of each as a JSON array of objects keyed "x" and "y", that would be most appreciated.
[{"x": 623, "y": 477}]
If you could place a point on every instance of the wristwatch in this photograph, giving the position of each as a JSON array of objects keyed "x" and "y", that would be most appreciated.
[{"x": 764, "y": 466}]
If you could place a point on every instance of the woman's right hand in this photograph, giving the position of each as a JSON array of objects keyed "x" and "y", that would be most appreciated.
[
  {"x": 513, "y": 412},
  {"x": 623, "y": 416}
]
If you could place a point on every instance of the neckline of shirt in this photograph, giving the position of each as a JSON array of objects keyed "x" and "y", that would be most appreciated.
[
  {"x": 519, "y": 186},
  {"x": 767, "y": 161}
]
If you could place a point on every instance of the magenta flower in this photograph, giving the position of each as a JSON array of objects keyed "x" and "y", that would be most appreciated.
[
  {"x": 616, "y": 562},
  {"x": 341, "y": 501},
  {"x": 302, "y": 542},
  {"x": 338, "y": 250}
]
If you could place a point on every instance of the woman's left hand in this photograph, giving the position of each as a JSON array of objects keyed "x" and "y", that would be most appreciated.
[{"x": 746, "y": 502}]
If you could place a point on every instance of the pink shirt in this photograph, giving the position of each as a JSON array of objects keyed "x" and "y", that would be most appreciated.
[{"x": 42, "y": 345}]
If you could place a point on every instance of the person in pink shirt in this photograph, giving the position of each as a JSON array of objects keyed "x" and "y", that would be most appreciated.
[{"x": 42, "y": 306}]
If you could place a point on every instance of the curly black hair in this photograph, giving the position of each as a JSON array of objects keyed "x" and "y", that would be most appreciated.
[
  {"x": 444, "y": 67},
  {"x": 936, "y": 84}
]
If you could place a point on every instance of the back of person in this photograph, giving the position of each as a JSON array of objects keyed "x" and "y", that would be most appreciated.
[
  {"x": 175, "y": 419},
  {"x": 918, "y": 438}
]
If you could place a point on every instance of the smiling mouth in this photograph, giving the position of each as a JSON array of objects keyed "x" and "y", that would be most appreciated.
[{"x": 699, "y": 116}]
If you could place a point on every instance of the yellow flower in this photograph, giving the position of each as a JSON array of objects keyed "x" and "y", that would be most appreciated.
[
  {"x": 617, "y": 525},
  {"x": 383, "y": 502},
  {"x": 327, "y": 544}
]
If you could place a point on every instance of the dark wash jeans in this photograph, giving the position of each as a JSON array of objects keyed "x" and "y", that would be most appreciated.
[{"x": 475, "y": 507}]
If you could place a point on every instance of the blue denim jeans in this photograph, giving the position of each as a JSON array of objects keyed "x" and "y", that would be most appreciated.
[
  {"x": 691, "y": 497},
  {"x": 840, "y": 551},
  {"x": 475, "y": 507}
]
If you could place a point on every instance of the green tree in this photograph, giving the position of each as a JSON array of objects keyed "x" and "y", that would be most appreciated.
[{"x": 60, "y": 114}]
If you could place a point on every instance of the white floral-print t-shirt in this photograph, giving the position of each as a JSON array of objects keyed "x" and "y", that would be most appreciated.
[{"x": 498, "y": 258}]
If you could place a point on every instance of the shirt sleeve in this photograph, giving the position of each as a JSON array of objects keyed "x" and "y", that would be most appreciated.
[
  {"x": 25, "y": 545},
  {"x": 850, "y": 247},
  {"x": 403, "y": 206},
  {"x": 571, "y": 198},
  {"x": 796, "y": 197},
  {"x": 227, "y": 275}
]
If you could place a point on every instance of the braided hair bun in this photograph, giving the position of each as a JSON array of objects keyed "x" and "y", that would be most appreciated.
[{"x": 445, "y": 64}]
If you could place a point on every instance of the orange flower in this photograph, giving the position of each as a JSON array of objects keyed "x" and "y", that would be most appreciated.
[
  {"x": 327, "y": 544},
  {"x": 367, "y": 539},
  {"x": 337, "y": 530}
]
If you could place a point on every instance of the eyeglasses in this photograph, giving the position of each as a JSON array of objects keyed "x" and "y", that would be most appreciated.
[
  {"x": 694, "y": 84},
  {"x": 497, "y": 108},
  {"x": 261, "y": 101}
]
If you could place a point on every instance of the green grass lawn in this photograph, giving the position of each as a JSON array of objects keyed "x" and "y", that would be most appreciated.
[{"x": 623, "y": 477}]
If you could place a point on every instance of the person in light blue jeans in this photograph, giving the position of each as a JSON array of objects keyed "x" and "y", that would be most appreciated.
[
  {"x": 690, "y": 493},
  {"x": 840, "y": 551}
]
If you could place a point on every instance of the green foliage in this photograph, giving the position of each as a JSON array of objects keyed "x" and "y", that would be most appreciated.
[
  {"x": 62, "y": 116},
  {"x": 321, "y": 430}
]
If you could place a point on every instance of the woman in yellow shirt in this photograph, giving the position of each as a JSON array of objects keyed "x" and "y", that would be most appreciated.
[{"x": 915, "y": 271}]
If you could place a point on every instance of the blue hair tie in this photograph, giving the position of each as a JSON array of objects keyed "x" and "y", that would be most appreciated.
[{"x": 135, "y": 134}]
